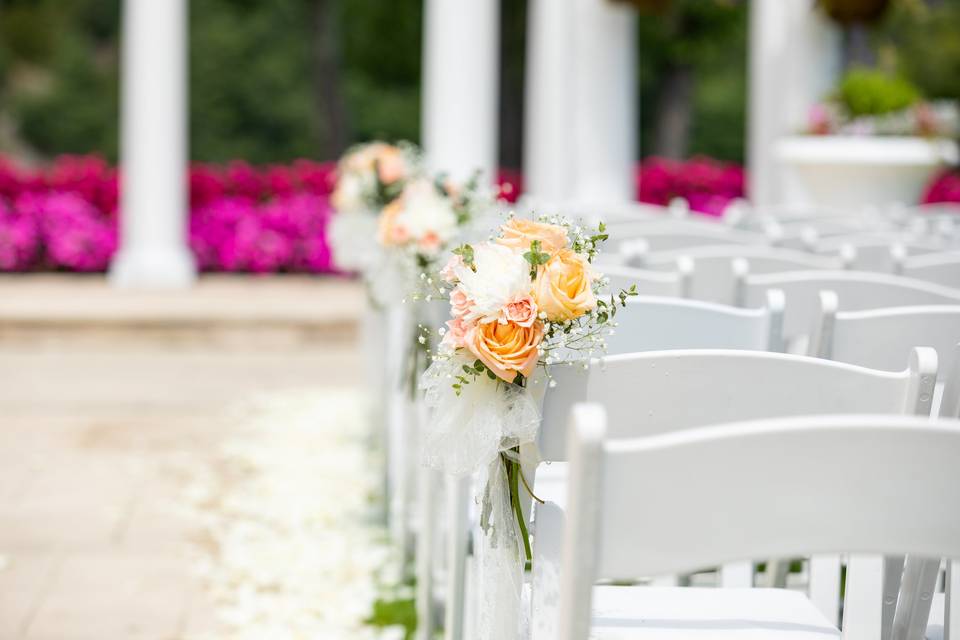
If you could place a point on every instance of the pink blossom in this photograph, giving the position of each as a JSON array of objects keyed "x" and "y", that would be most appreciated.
[
  {"x": 455, "y": 337},
  {"x": 460, "y": 303},
  {"x": 522, "y": 311},
  {"x": 448, "y": 272}
]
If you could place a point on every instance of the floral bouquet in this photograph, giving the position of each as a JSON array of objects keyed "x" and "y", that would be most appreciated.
[
  {"x": 369, "y": 177},
  {"x": 523, "y": 302}
]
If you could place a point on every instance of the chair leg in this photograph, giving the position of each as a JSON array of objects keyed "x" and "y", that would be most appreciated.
[
  {"x": 458, "y": 530},
  {"x": 863, "y": 598},
  {"x": 916, "y": 595},
  {"x": 951, "y": 606},
  {"x": 736, "y": 575},
  {"x": 824, "y": 585},
  {"x": 426, "y": 539}
]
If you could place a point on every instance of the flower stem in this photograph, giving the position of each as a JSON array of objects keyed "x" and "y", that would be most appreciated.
[{"x": 513, "y": 473}]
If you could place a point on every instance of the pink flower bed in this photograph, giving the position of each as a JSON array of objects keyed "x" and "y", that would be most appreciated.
[
  {"x": 242, "y": 218},
  {"x": 944, "y": 188},
  {"x": 708, "y": 185}
]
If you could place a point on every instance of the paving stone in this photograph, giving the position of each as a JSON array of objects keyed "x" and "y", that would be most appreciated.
[
  {"x": 111, "y": 595},
  {"x": 22, "y": 583}
]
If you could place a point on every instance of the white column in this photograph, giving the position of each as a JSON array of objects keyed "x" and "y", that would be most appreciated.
[
  {"x": 794, "y": 63},
  {"x": 547, "y": 109},
  {"x": 153, "y": 147},
  {"x": 604, "y": 126},
  {"x": 461, "y": 55},
  {"x": 581, "y": 101}
]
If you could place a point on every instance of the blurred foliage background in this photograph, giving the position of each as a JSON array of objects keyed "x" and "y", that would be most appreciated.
[{"x": 271, "y": 80}]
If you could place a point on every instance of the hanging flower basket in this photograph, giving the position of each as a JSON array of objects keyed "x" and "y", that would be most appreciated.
[
  {"x": 647, "y": 6},
  {"x": 847, "y": 12}
]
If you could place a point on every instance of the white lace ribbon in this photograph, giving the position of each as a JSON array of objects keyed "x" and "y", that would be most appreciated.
[{"x": 465, "y": 435}]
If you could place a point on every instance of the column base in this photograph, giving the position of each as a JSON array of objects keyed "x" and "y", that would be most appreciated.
[{"x": 152, "y": 268}]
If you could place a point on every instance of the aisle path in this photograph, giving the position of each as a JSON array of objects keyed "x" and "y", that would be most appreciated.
[{"x": 104, "y": 424}]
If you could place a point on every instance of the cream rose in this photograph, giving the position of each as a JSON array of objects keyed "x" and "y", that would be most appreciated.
[
  {"x": 506, "y": 349},
  {"x": 563, "y": 288},
  {"x": 518, "y": 233}
]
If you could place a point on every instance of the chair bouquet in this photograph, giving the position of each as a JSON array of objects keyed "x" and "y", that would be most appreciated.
[{"x": 522, "y": 302}]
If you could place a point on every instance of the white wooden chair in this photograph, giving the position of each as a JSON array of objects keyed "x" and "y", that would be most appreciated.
[
  {"x": 872, "y": 339},
  {"x": 715, "y": 268},
  {"x": 862, "y": 484},
  {"x": 650, "y": 323},
  {"x": 938, "y": 268},
  {"x": 672, "y": 391},
  {"x": 875, "y": 338},
  {"x": 856, "y": 290}
]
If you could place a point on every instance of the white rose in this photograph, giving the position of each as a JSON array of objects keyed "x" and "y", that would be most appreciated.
[{"x": 502, "y": 276}]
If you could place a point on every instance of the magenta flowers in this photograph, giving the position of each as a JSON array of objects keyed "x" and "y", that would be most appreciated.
[
  {"x": 707, "y": 184},
  {"x": 242, "y": 218}
]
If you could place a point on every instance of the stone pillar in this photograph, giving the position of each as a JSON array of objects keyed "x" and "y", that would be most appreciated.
[
  {"x": 794, "y": 62},
  {"x": 581, "y": 101},
  {"x": 461, "y": 59},
  {"x": 153, "y": 147}
]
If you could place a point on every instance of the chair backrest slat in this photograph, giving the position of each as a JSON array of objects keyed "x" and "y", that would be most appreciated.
[
  {"x": 857, "y": 291},
  {"x": 865, "y": 484},
  {"x": 665, "y": 391},
  {"x": 650, "y": 323}
]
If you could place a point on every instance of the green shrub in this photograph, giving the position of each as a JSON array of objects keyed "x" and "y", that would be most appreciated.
[{"x": 866, "y": 92}]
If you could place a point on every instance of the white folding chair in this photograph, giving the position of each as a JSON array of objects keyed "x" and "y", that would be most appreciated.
[
  {"x": 938, "y": 268},
  {"x": 871, "y": 338},
  {"x": 672, "y": 391},
  {"x": 863, "y": 484},
  {"x": 651, "y": 323},
  {"x": 856, "y": 291},
  {"x": 715, "y": 268}
]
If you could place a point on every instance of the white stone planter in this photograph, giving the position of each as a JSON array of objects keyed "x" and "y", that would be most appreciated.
[{"x": 852, "y": 171}]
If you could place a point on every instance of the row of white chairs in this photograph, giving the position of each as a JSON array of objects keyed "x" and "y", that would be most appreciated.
[{"x": 764, "y": 323}]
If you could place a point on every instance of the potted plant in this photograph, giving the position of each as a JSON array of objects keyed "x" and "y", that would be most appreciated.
[{"x": 874, "y": 141}]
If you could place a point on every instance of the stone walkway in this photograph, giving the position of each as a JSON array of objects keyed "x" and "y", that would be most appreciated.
[{"x": 100, "y": 416}]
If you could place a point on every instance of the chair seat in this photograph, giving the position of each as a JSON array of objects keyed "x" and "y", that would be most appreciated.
[{"x": 672, "y": 613}]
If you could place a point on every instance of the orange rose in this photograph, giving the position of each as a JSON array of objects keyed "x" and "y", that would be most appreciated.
[
  {"x": 389, "y": 231},
  {"x": 391, "y": 165},
  {"x": 564, "y": 287},
  {"x": 506, "y": 349},
  {"x": 518, "y": 233}
]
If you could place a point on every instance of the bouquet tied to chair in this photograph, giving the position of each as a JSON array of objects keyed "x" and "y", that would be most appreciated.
[{"x": 521, "y": 303}]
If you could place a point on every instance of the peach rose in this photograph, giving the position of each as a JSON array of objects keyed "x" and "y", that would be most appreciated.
[
  {"x": 563, "y": 288},
  {"x": 522, "y": 311},
  {"x": 389, "y": 230},
  {"x": 506, "y": 349},
  {"x": 391, "y": 165},
  {"x": 518, "y": 233}
]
